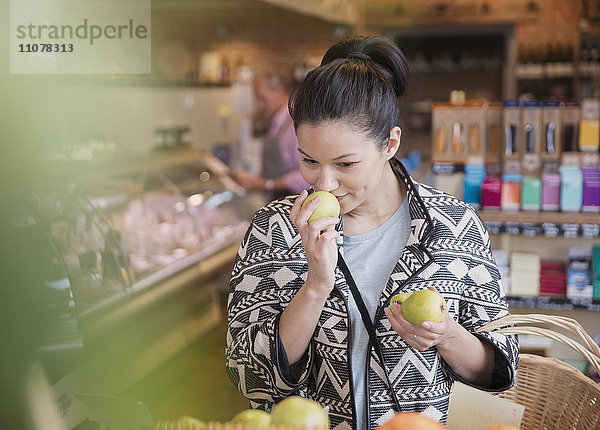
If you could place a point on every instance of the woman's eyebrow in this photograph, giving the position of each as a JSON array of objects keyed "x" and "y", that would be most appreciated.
[
  {"x": 304, "y": 153},
  {"x": 334, "y": 159}
]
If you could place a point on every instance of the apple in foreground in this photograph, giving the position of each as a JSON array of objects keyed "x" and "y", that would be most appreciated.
[
  {"x": 255, "y": 417},
  {"x": 329, "y": 205},
  {"x": 296, "y": 411}
]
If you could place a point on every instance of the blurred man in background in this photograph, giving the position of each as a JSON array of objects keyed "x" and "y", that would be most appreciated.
[{"x": 281, "y": 166}]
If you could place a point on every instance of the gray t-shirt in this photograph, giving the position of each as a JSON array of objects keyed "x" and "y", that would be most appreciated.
[{"x": 371, "y": 257}]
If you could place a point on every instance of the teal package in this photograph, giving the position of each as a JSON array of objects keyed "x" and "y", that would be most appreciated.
[
  {"x": 571, "y": 190},
  {"x": 531, "y": 193}
]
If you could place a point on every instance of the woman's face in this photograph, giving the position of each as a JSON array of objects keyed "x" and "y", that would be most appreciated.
[{"x": 349, "y": 164}]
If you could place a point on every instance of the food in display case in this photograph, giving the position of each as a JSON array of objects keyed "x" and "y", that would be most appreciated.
[
  {"x": 90, "y": 248},
  {"x": 125, "y": 233}
]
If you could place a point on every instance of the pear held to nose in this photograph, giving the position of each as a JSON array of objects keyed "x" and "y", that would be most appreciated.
[{"x": 329, "y": 205}]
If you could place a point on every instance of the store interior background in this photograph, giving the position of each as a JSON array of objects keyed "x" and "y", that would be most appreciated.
[
  {"x": 45, "y": 114},
  {"x": 266, "y": 37}
]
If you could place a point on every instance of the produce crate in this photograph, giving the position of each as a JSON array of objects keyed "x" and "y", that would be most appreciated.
[{"x": 556, "y": 395}]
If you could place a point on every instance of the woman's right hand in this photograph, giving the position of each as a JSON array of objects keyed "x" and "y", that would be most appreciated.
[{"x": 319, "y": 240}]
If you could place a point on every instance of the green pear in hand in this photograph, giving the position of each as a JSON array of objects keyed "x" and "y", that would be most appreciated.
[{"x": 424, "y": 305}]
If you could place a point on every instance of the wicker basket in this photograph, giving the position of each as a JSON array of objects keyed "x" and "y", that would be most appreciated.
[{"x": 556, "y": 396}]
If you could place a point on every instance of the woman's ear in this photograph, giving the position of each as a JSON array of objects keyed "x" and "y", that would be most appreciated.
[{"x": 393, "y": 143}]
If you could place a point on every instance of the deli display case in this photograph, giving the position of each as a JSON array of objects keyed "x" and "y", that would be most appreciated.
[{"x": 137, "y": 252}]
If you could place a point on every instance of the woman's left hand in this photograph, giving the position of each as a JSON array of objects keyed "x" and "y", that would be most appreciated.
[{"x": 427, "y": 335}]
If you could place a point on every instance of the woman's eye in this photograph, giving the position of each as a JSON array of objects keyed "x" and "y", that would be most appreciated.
[
  {"x": 346, "y": 164},
  {"x": 309, "y": 161}
]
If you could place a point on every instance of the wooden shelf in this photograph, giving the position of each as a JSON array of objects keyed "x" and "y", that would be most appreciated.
[
  {"x": 557, "y": 303},
  {"x": 540, "y": 217},
  {"x": 549, "y": 224}
]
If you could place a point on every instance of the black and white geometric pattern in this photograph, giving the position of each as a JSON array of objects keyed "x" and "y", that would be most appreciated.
[{"x": 448, "y": 248}]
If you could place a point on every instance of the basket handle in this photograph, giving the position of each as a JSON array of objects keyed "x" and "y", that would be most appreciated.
[{"x": 512, "y": 324}]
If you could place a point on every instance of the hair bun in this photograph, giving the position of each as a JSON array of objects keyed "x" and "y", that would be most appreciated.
[{"x": 359, "y": 55}]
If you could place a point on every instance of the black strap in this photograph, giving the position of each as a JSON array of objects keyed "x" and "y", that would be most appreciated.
[{"x": 367, "y": 322}]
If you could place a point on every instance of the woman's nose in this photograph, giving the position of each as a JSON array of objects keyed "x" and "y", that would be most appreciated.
[{"x": 327, "y": 180}]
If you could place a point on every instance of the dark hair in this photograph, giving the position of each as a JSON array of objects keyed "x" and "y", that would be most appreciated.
[{"x": 358, "y": 82}]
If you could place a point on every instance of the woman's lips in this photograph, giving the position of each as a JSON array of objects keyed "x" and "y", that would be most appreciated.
[{"x": 340, "y": 197}]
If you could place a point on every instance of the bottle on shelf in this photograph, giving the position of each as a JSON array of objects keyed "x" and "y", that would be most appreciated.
[
  {"x": 521, "y": 68},
  {"x": 594, "y": 63},
  {"x": 591, "y": 189},
  {"x": 551, "y": 60},
  {"x": 537, "y": 66},
  {"x": 571, "y": 188},
  {"x": 568, "y": 66},
  {"x": 585, "y": 59},
  {"x": 550, "y": 188}
]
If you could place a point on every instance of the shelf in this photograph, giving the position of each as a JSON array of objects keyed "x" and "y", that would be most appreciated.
[
  {"x": 544, "y": 79},
  {"x": 549, "y": 224},
  {"x": 556, "y": 303}
]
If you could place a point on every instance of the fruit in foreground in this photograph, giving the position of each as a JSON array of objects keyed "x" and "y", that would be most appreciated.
[
  {"x": 329, "y": 205},
  {"x": 424, "y": 305},
  {"x": 296, "y": 411},
  {"x": 411, "y": 421},
  {"x": 398, "y": 298},
  {"x": 256, "y": 417},
  {"x": 188, "y": 420}
]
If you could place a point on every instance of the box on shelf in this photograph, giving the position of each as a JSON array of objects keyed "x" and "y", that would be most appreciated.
[
  {"x": 441, "y": 126},
  {"x": 525, "y": 274},
  {"x": 579, "y": 273},
  {"x": 589, "y": 126},
  {"x": 474, "y": 114},
  {"x": 553, "y": 278},
  {"x": 458, "y": 134},
  {"x": 591, "y": 189},
  {"x": 491, "y": 188},
  {"x": 511, "y": 191},
  {"x": 474, "y": 177},
  {"x": 449, "y": 177}
]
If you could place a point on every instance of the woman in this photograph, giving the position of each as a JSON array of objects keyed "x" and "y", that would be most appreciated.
[{"x": 293, "y": 325}]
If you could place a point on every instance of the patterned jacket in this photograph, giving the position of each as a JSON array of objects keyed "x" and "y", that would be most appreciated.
[{"x": 448, "y": 248}]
